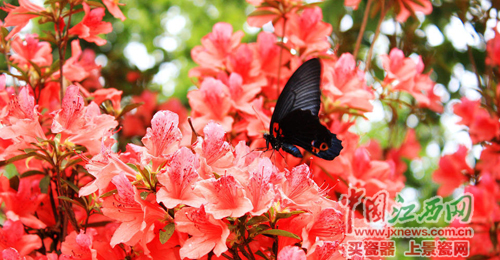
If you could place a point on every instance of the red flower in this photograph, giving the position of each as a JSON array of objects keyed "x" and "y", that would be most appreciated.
[
  {"x": 407, "y": 7},
  {"x": 136, "y": 215},
  {"x": 211, "y": 102},
  {"x": 453, "y": 171},
  {"x": 217, "y": 46},
  {"x": 112, "y": 6},
  {"x": 345, "y": 84},
  {"x": 79, "y": 246},
  {"x": 178, "y": 180},
  {"x": 32, "y": 50},
  {"x": 92, "y": 25},
  {"x": 225, "y": 197},
  {"x": 308, "y": 34},
  {"x": 79, "y": 124},
  {"x": 206, "y": 232},
  {"x": 20, "y": 16},
  {"x": 163, "y": 135},
  {"x": 12, "y": 235},
  {"x": 482, "y": 125}
]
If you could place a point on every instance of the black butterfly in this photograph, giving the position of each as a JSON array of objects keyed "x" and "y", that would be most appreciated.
[{"x": 295, "y": 119}]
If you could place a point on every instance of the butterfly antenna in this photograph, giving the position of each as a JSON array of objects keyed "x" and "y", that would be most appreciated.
[{"x": 257, "y": 114}]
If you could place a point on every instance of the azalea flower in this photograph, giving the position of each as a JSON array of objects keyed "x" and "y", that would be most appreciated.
[
  {"x": 31, "y": 50},
  {"x": 20, "y": 16},
  {"x": 452, "y": 172},
  {"x": 92, "y": 25},
  {"x": 206, "y": 232},
  {"x": 112, "y": 6}
]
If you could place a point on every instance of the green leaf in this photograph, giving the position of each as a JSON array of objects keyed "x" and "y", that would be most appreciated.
[
  {"x": 257, "y": 220},
  {"x": 129, "y": 107},
  {"x": 259, "y": 253},
  {"x": 44, "y": 184},
  {"x": 71, "y": 185},
  {"x": 10, "y": 171},
  {"x": 70, "y": 200},
  {"x": 109, "y": 193},
  {"x": 93, "y": 3},
  {"x": 279, "y": 232},
  {"x": 17, "y": 158},
  {"x": 288, "y": 214},
  {"x": 31, "y": 173},
  {"x": 144, "y": 195},
  {"x": 166, "y": 233}
]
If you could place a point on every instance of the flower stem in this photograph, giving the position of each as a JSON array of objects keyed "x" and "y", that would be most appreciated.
[
  {"x": 377, "y": 32},
  {"x": 363, "y": 27}
]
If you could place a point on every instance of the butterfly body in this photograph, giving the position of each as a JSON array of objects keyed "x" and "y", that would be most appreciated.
[{"x": 295, "y": 120}]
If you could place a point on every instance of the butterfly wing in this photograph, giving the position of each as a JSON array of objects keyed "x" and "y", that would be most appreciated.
[
  {"x": 302, "y": 128},
  {"x": 301, "y": 92}
]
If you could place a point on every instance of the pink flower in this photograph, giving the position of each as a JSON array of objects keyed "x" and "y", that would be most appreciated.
[
  {"x": 12, "y": 235},
  {"x": 453, "y": 171},
  {"x": 79, "y": 246},
  {"x": 31, "y": 50},
  {"x": 163, "y": 135},
  {"x": 216, "y": 154},
  {"x": 20, "y": 16},
  {"x": 243, "y": 63},
  {"x": 136, "y": 215},
  {"x": 399, "y": 68},
  {"x": 225, "y": 197},
  {"x": 104, "y": 166},
  {"x": 112, "y": 6},
  {"x": 409, "y": 7},
  {"x": 11, "y": 254},
  {"x": 328, "y": 225},
  {"x": 292, "y": 253},
  {"x": 260, "y": 189},
  {"x": 70, "y": 116},
  {"x": 268, "y": 55},
  {"x": 242, "y": 95},
  {"x": 207, "y": 233},
  {"x": 308, "y": 34},
  {"x": 92, "y": 25},
  {"x": 20, "y": 123},
  {"x": 211, "y": 102},
  {"x": 345, "y": 84},
  {"x": 325, "y": 250},
  {"x": 79, "y": 124},
  {"x": 217, "y": 46},
  {"x": 299, "y": 190},
  {"x": 179, "y": 179}
]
